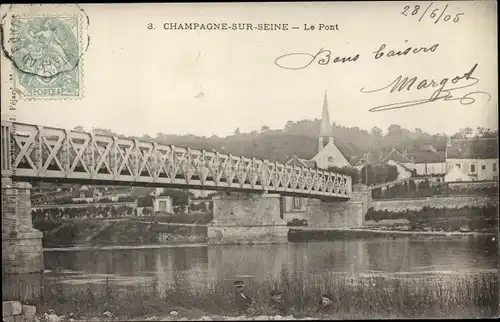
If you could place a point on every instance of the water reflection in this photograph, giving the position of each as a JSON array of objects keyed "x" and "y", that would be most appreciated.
[{"x": 200, "y": 265}]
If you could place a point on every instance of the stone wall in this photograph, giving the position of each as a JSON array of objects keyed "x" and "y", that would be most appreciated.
[
  {"x": 22, "y": 256},
  {"x": 21, "y": 243},
  {"x": 342, "y": 214},
  {"x": 434, "y": 202},
  {"x": 247, "y": 219},
  {"x": 14, "y": 311}
]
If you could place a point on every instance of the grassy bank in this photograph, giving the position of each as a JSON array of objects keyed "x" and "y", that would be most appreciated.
[
  {"x": 354, "y": 297},
  {"x": 201, "y": 218},
  {"x": 301, "y": 235},
  {"x": 100, "y": 232},
  {"x": 479, "y": 219}
]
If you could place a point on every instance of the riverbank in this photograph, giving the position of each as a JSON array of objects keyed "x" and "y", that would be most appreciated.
[
  {"x": 192, "y": 228},
  {"x": 316, "y": 234},
  {"x": 153, "y": 230},
  {"x": 354, "y": 296}
]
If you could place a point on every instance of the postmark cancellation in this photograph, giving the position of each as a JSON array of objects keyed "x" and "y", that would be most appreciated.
[{"x": 46, "y": 51}]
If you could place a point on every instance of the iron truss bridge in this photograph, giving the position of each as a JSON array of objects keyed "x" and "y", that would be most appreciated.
[{"x": 37, "y": 153}]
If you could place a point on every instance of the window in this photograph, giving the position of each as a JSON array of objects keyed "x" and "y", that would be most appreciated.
[
  {"x": 483, "y": 167},
  {"x": 472, "y": 168},
  {"x": 297, "y": 203},
  {"x": 163, "y": 205},
  {"x": 330, "y": 159},
  {"x": 457, "y": 165},
  {"x": 494, "y": 167}
]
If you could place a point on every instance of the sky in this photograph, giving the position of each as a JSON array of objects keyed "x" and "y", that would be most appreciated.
[{"x": 138, "y": 81}]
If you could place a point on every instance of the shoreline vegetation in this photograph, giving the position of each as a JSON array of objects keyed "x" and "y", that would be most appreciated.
[
  {"x": 169, "y": 230},
  {"x": 354, "y": 296}
]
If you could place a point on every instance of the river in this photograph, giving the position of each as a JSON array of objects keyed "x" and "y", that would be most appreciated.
[{"x": 197, "y": 265}]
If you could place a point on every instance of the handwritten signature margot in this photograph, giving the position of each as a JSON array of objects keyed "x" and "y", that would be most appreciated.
[{"x": 441, "y": 93}]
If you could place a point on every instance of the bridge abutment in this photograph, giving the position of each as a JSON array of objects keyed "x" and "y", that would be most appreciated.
[
  {"x": 22, "y": 254},
  {"x": 247, "y": 219},
  {"x": 340, "y": 214}
]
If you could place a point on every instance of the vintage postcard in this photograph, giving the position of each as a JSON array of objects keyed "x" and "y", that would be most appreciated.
[{"x": 249, "y": 161}]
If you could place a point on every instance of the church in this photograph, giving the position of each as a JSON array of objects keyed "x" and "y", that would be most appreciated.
[{"x": 328, "y": 155}]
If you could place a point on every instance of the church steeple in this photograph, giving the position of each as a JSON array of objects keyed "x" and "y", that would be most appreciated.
[{"x": 326, "y": 128}]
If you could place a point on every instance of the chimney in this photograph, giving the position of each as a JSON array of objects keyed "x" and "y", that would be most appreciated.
[{"x": 405, "y": 152}]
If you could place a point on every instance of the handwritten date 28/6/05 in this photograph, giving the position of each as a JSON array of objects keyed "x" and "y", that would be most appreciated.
[{"x": 431, "y": 13}]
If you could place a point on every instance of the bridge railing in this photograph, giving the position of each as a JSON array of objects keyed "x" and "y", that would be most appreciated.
[{"x": 34, "y": 151}]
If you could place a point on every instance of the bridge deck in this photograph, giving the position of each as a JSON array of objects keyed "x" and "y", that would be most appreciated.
[{"x": 33, "y": 152}]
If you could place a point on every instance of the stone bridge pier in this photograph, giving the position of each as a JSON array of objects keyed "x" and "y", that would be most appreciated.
[
  {"x": 340, "y": 214},
  {"x": 247, "y": 219},
  {"x": 22, "y": 255}
]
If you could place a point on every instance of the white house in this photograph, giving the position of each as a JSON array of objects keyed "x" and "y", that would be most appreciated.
[
  {"x": 163, "y": 204},
  {"x": 477, "y": 158},
  {"x": 425, "y": 162},
  {"x": 403, "y": 171},
  {"x": 328, "y": 156},
  {"x": 456, "y": 175}
]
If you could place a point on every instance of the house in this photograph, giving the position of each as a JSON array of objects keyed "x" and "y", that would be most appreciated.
[
  {"x": 404, "y": 172},
  {"x": 163, "y": 204},
  {"x": 426, "y": 161},
  {"x": 456, "y": 175},
  {"x": 476, "y": 158},
  {"x": 367, "y": 158},
  {"x": 328, "y": 156},
  {"x": 86, "y": 193}
]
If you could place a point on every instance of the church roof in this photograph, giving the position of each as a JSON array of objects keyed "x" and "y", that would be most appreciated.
[{"x": 326, "y": 127}]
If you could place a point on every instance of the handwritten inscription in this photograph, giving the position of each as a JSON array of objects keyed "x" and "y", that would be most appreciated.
[
  {"x": 391, "y": 53},
  {"x": 443, "y": 91},
  {"x": 295, "y": 61},
  {"x": 430, "y": 13}
]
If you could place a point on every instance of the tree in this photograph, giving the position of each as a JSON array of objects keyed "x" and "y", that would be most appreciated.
[
  {"x": 378, "y": 174},
  {"x": 376, "y": 131},
  {"x": 457, "y": 135},
  {"x": 237, "y": 131},
  {"x": 104, "y": 132},
  {"x": 465, "y": 132},
  {"x": 394, "y": 130},
  {"x": 179, "y": 197},
  {"x": 483, "y": 132},
  {"x": 288, "y": 125},
  {"x": 352, "y": 172},
  {"x": 78, "y": 128},
  {"x": 264, "y": 128}
]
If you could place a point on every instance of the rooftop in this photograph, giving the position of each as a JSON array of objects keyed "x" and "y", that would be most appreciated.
[{"x": 483, "y": 148}]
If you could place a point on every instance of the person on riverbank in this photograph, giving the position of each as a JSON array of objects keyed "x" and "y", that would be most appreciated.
[
  {"x": 241, "y": 301},
  {"x": 325, "y": 305},
  {"x": 280, "y": 303}
]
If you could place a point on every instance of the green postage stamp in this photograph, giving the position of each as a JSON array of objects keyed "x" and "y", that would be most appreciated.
[{"x": 47, "y": 56}]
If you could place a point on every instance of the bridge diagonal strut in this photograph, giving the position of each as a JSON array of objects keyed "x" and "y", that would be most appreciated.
[{"x": 38, "y": 152}]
